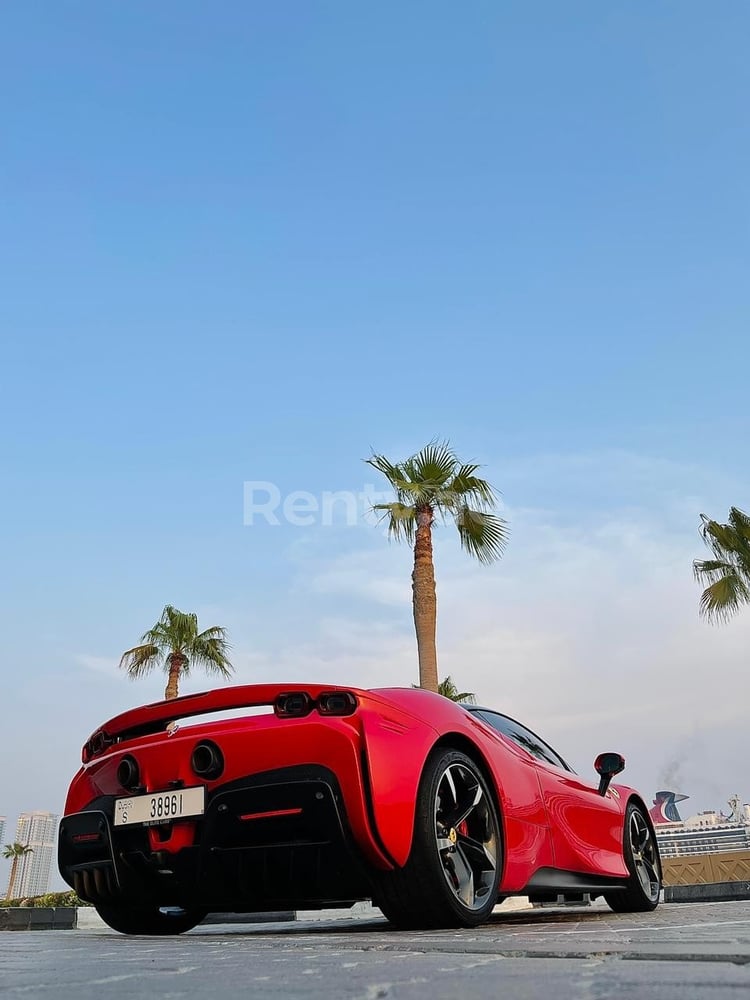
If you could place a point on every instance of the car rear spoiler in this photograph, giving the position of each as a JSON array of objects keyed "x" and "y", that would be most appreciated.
[{"x": 154, "y": 718}]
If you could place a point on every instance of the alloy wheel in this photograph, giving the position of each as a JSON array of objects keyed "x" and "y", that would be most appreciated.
[
  {"x": 645, "y": 855},
  {"x": 466, "y": 835}
]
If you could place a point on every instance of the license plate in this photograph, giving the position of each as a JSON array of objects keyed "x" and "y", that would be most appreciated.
[{"x": 160, "y": 807}]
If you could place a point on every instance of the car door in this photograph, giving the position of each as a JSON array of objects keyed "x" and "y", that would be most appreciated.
[{"x": 585, "y": 827}]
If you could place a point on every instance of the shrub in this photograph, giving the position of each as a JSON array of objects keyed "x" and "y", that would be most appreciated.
[{"x": 68, "y": 898}]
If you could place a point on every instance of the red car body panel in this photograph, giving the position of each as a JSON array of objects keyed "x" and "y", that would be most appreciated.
[
  {"x": 586, "y": 827},
  {"x": 551, "y": 818}
]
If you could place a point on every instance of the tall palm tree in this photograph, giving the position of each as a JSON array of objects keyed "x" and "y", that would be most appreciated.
[
  {"x": 432, "y": 485},
  {"x": 15, "y": 851},
  {"x": 448, "y": 689},
  {"x": 176, "y": 645},
  {"x": 728, "y": 573}
]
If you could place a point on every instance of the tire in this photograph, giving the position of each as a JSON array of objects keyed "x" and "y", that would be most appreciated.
[
  {"x": 641, "y": 854},
  {"x": 149, "y": 920},
  {"x": 452, "y": 874}
]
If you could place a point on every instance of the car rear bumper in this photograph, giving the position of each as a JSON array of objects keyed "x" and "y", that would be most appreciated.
[{"x": 279, "y": 839}]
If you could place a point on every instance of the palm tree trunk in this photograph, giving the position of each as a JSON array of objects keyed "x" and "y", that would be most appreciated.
[
  {"x": 176, "y": 663},
  {"x": 12, "y": 879},
  {"x": 425, "y": 600}
]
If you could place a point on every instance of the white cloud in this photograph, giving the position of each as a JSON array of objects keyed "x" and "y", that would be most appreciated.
[
  {"x": 365, "y": 574},
  {"x": 98, "y": 664}
]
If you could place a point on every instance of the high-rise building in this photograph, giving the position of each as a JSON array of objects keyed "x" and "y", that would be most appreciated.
[{"x": 30, "y": 876}]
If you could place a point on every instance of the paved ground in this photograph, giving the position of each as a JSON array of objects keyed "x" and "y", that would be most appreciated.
[{"x": 681, "y": 951}]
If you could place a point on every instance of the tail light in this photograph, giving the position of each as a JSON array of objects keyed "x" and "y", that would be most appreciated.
[
  {"x": 298, "y": 704},
  {"x": 337, "y": 703},
  {"x": 96, "y": 745},
  {"x": 293, "y": 705}
]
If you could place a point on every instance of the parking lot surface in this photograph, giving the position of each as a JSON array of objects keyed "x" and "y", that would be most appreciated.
[{"x": 679, "y": 951}]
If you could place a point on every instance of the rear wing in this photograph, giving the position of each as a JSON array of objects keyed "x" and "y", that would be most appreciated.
[{"x": 155, "y": 718}]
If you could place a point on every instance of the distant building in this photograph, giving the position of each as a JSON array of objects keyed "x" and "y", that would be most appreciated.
[
  {"x": 2, "y": 831},
  {"x": 36, "y": 830}
]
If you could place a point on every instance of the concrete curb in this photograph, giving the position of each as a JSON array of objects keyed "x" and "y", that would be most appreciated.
[
  {"x": 708, "y": 892},
  {"x": 37, "y": 918}
]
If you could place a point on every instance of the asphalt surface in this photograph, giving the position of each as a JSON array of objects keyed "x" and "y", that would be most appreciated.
[{"x": 680, "y": 951}]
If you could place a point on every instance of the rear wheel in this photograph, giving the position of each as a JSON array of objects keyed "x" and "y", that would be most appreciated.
[
  {"x": 150, "y": 920},
  {"x": 642, "y": 858},
  {"x": 452, "y": 874}
]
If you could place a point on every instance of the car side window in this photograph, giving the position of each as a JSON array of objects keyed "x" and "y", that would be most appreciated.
[{"x": 523, "y": 737}]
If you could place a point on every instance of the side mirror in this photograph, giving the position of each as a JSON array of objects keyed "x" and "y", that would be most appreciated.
[{"x": 607, "y": 765}]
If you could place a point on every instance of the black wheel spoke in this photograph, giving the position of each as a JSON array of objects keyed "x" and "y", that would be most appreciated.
[
  {"x": 648, "y": 880},
  {"x": 478, "y": 853},
  {"x": 460, "y": 794},
  {"x": 463, "y": 877},
  {"x": 649, "y": 873},
  {"x": 640, "y": 834}
]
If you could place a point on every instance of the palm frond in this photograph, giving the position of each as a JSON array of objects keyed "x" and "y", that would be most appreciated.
[
  {"x": 139, "y": 660},
  {"x": 483, "y": 535},
  {"x": 215, "y": 632},
  {"x": 401, "y": 519},
  {"x": 393, "y": 473},
  {"x": 471, "y": 489},
  {"x": 730, "y": 540},
  {"x": 728, "y": 573},
  {"x": 724, "y": 597},
  {"x": 157, "y": 636},
  {"x": 16, "y": 850},
  {"x": 433, "y": 466},
  {"x": 740, "y": 521},
  {"x": 710, "y": 570},
  {"x": 406, "y": 488},
  {"x": 209, "y": 650},
  {"x": 181, "y": 627},
  {"x": 448, "y": 689}
]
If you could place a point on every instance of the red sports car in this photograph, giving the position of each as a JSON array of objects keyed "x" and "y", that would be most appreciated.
[{"x": 316, "y": 796}]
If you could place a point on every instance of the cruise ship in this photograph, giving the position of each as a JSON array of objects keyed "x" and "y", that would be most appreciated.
[{"x": 705, "y": 833}]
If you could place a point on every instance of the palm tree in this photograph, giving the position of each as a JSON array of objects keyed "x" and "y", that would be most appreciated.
[
  {"x": 15, "y": 851},
  {"x": 448, "y": 689},
  {"x": 434, "y": 484},
  {"x": 176, "y": 645},
  {"x": 728, "y": 573}
]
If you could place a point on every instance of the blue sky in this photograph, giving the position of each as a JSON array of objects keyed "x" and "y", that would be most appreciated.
[{"x": 255, "y": 242}]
